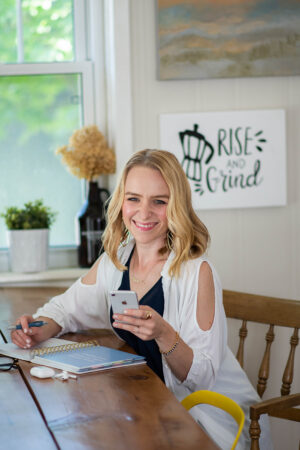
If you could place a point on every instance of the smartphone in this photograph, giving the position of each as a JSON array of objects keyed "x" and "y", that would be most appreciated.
[{"x": 121, "y": 300}]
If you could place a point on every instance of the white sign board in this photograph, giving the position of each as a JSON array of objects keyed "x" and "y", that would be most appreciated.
[{"x": 233, "y": 159}]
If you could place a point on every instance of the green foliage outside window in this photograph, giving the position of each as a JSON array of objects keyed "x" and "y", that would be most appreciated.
[
  {"x": 47, "y": 31},
  {"x": 48, "y": 37},
  {"x": 38, "y": 112},
  {"x": 38, "y": 104},
  {"x": 8, "y": 27}
]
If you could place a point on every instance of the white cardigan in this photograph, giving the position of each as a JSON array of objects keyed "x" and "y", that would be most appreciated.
[{"x": 214, "y": 367}]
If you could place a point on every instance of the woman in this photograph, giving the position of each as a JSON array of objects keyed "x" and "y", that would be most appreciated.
[{"x": 180, "y": 326}]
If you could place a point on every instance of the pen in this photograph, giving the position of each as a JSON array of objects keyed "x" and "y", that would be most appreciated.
[{"x": 37, "y": 323}]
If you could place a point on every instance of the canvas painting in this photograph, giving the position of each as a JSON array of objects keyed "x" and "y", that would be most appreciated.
[{"x": 227, "y": 38}]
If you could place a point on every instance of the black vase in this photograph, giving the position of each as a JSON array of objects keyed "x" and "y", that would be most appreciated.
[{"x": 91, "y": 225}]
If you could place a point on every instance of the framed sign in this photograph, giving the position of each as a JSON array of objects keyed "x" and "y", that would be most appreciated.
[{"x": 234, "y": 159}]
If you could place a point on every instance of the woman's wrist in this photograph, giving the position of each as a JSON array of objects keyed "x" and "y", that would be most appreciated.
[
  {"x": 50, "y": 329},
  {"x": 168, "y": 341},
  {"x": 171, "y": 349}
]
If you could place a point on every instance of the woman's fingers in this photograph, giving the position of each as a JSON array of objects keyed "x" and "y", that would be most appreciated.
[
  {"x": 23, "y": 340},
  {"x": 144, "y": 312},
  {"x": 17, "y": 340},
  {"x": 147, "y": 312},
  {"x": 20, "y": 337},
  {"x": 139, "y": 330},
  {"x": 135, "y": 321},
  {"x": 24, "y": 320},
  {"x": 143, "y": 322}
]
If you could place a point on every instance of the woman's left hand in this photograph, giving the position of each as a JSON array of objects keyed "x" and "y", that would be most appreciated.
[
  {"x": 147, "y": 324},
  {"x": 144, "y": 322}
]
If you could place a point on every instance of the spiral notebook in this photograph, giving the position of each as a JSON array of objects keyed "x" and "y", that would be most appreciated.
[{"x": 76, "y": 357}]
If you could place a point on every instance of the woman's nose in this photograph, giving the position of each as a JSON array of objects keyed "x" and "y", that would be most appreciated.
[{"x": 145, "y": 211}]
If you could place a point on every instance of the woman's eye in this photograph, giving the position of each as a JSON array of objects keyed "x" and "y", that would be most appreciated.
[
  {"x": 132, "y": 199},
  {"x": 159, "y": 202}
]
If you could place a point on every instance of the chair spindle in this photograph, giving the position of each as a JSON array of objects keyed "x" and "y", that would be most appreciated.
[
  {"x": 263, "y": 374},
  {"x": 288, "y": 374},
  {"x": 243, "y": 334},
  {"x": 254, "y": 431}
]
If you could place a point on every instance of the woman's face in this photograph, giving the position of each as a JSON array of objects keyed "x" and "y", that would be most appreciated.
[{"x": 145, "y": 205}]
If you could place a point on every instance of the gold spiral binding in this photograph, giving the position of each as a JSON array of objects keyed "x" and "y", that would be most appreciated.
[{"x": 63, "y": 348}]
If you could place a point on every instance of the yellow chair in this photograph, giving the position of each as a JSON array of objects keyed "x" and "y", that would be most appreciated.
[{"x": 220, "y": 401}]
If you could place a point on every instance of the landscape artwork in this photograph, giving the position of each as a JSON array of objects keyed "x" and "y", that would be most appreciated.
[{"x": 227, "y": 38}]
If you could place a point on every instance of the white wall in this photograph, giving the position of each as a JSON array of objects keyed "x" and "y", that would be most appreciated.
[{"x": 254, "y": 250}]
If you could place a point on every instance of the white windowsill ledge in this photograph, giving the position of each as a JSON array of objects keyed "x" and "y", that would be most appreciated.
[{"x": 54, "y": 277}]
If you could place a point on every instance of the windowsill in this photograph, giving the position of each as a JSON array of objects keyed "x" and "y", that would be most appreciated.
[
  {"x": 59, "y": 258},
  {"x": 54, "y": 277}
]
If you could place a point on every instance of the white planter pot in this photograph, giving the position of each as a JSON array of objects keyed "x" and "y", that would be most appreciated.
[{"x": 28, "y": 250}]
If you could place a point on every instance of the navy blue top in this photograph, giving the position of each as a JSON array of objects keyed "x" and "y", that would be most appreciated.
[{"x": 149, "y": 349}]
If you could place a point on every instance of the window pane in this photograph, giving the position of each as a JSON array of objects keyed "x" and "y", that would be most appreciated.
[
  {"x": 8, "y": 46},
  {"x": 38, "y": 114},
  {"x": 47, "y": 30}
]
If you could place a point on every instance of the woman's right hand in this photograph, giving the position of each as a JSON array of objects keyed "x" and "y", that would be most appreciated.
[{"x": 28, "y": 337}]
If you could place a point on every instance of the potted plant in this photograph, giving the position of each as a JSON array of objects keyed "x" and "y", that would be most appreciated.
[{"x": 28, "y": 235}]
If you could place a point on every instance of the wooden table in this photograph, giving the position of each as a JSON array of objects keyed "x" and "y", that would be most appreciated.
[{"x": 123, "y": 408}]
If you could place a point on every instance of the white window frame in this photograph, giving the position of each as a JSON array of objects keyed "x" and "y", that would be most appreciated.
[{"x": 89, "y": 44}]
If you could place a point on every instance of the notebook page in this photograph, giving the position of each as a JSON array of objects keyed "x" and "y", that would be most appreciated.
[{"x": 11, "y": 349}]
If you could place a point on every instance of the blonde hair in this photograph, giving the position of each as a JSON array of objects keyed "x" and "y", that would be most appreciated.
[{"x": 188, "y": 235}]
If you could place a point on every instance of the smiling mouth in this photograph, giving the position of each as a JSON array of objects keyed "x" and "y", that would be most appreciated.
[{"x": 144, "y": 226}]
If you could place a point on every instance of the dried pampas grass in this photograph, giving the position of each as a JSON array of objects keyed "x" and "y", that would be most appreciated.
[{"x": 88, "y": 155}]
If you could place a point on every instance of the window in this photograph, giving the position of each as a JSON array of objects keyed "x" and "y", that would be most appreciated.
[{"x": 46, "y": 92}]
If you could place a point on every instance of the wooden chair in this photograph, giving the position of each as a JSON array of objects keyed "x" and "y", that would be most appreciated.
[
  {"x": 273, "y": 312},
  {"x": 219, "y": 401}
]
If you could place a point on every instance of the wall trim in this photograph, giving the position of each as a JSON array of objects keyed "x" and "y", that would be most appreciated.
[{"x": 118, "y": 80}]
